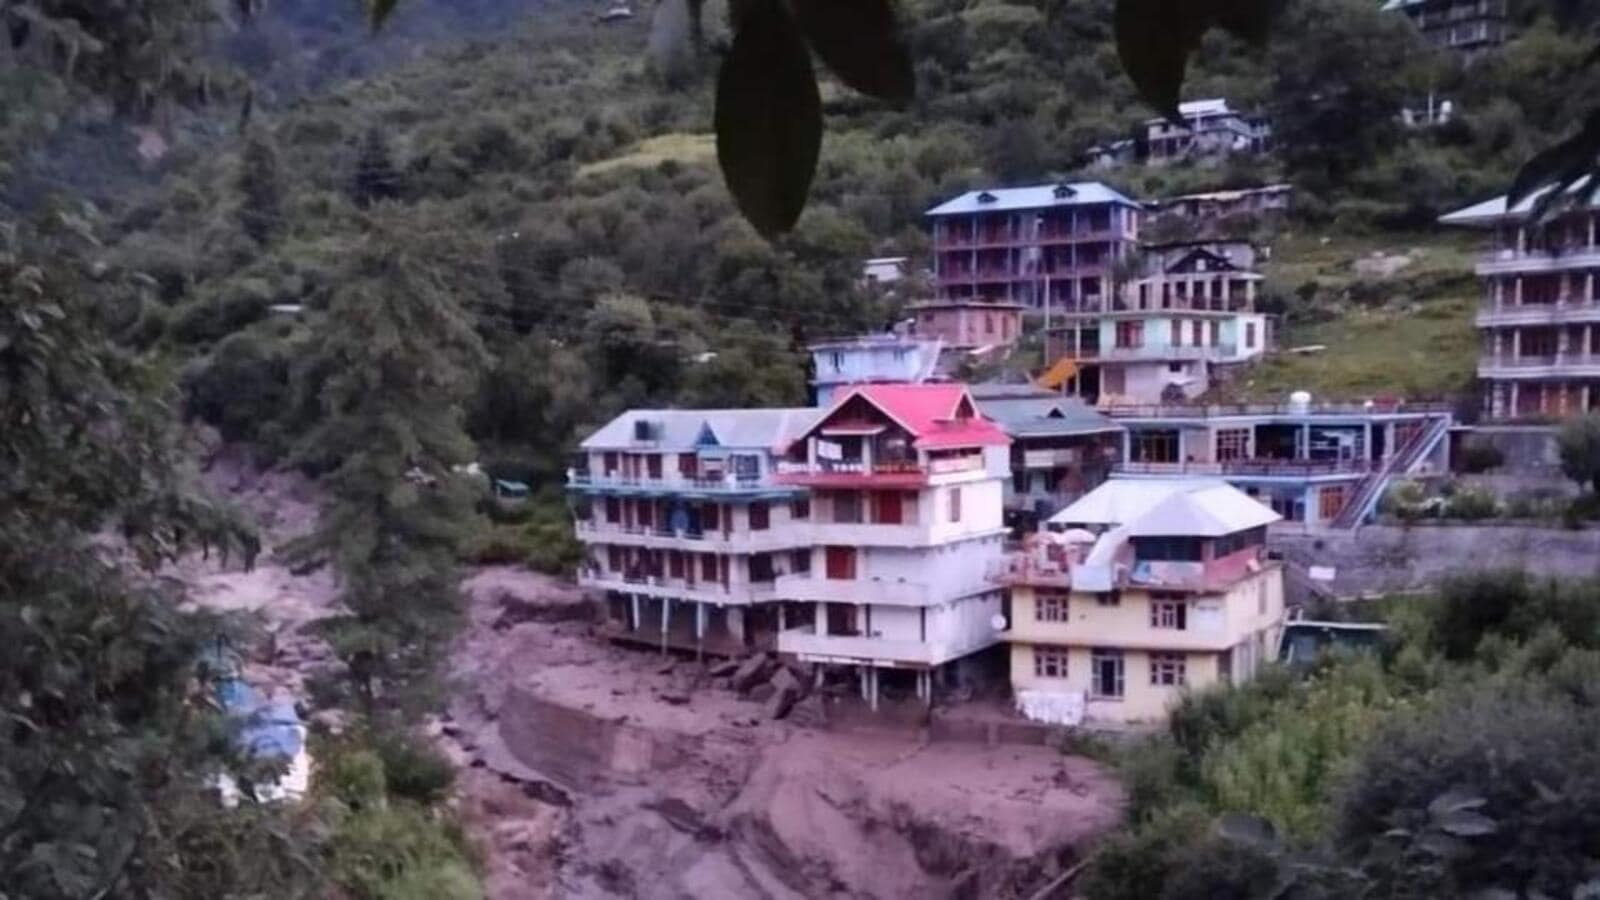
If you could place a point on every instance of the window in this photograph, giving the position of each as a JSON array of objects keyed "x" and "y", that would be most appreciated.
[
  {"x": 710, "y": 516},
  {"x": 1249, "y": 335},
  {"x": 800, "y": 562},
  {"x": 1194, "y": 332},
  {"x": 761, "y": 567},
  {"x": 1105, "y": 673},
  {"x": 800, "y": 509},
  {"x": 610, "y": 463},
  {"x": 847, "y": 508},
  {"x": 760, "y": 516},
  {"x": 841, "y": 563},
  {"x": 988, "y": 323},
  {"x": 1232, "y": 444},
  {"x": 1050, "y": 607},
  {"x": 1049, "y": 662},
  {"x": 1130, "y": 334},
  {"x": 613, "y": 510},
  {"x": 1330, "y": 500},
  {"x": 1168, "y": 669},
  {"x": 615, "y": 560},
  {"x": 708, "y": 566},
  {"x": 1177, "y": 332},
  {"x": 1175, "y": 367},
  {"x": 955, "y": 504},
  {"x": 675, "y": 564},
  {"x": 1168, "y": 613},
  {"x": 1108, "y": 598},
  {"x": 688, "y": 465},
  {"x": 647, "y": 514},
  {"x": 1167, "y": 549},
  {"x": 836, "y": 358},
  {"x": 1154, "y": 446},
  {"x": 653, "y": 465},
  {"x": 1216, "y": 333}
]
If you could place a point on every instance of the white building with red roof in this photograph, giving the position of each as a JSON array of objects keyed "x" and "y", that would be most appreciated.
[{"x": 906, "y": 487}]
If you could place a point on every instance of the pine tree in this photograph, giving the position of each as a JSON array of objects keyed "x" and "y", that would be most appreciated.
[
  {"x": 376, "y": 177},
  {"x": 404, "y": 360},
  {"x": 260, "y": 186}
]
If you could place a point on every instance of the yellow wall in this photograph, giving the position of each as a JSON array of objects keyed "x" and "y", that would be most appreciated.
[{"x": 1247, "y": 628}]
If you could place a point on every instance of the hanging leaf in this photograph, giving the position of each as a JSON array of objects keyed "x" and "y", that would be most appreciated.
[
  {"x": 768, "y": 117},
  {"x": 860, "y": 41},
  {"x": 1155, "y": 39},
  {"x": 1557, "y": 169},
  {"x": 379, "y": 10}
]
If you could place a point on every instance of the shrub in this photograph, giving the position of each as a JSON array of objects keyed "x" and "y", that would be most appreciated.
[
  {"x": 414, "y": 769},
  {"x": 1472, "y": 504},
  {"x": 355, "y": 777},
  {"x": 400, "y": 852},
  {"x": 1480, "y": 456}
]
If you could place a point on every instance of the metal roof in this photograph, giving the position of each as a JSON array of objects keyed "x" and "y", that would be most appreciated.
[
  {"x": 1034, "y": 416},
  {"x": 1494, "y": 210},
  {"x": 1039, "y": 196},
  {"x": 681, "y": 429},
  {"x": 1176, "y": 507}
]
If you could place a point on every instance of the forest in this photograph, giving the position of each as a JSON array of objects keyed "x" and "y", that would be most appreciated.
[{"x": 378, "y": 259}]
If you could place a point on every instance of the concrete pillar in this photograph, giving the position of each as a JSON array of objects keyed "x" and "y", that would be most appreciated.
[
  {"x": 1497, "y": 400},
  {"x": 783, "y": 624},
  {"x": 820, "y": 625},
  {"x": 1499, "y": 290},
  {"x": 873, "y": 675},
  {"x": 633, "y": 601},
  {"x": 1305, "y": 442},
  {"x": 1563, "y": 343},
  {"x": 1583, "y": 393},
  {"x": 1516, "y": 292},
  {"x": 861, "y": 673},
  {"x": 1513, "y": 399},
  {"x": 1516, "y": 344},
  {"x": 666, "y": 620}
]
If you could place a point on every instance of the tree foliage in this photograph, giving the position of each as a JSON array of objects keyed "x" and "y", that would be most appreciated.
[{"x": 1579, "y": 445}]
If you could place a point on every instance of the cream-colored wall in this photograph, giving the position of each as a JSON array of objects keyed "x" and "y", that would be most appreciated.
[
  {"x": 1141, "y": 701},
  {"x": 1128, "y": 623}
]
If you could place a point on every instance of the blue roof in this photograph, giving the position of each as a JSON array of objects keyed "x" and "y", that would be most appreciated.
[
  {"x": 266, "y": 730},
  {"x": 1040, "y": 196}
]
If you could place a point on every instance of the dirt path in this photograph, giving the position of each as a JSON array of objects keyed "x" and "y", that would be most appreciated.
[{"x": 590, "y": 770}]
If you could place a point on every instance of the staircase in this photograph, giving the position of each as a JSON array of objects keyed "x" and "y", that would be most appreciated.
[{"x": 1372, "y": 487}]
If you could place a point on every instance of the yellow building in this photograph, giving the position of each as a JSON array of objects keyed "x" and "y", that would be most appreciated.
[{"x": 1173, "y": 592}]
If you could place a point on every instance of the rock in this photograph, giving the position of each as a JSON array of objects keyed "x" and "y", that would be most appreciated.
[
  {"x": 751, "y": 672},
  {"x": 810, "y": 712},
  {"x": 666, "y": 667},
  {"x": 724, "y": 669},
  {"x": 785, "y": 680},
  {"x": 761, "y": 693},
  {"x": 674, "y": 698},
  {"x": 782, "y": 701}
]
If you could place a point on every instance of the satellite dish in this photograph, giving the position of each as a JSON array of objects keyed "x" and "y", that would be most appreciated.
[{"x": 997, "y": 622}]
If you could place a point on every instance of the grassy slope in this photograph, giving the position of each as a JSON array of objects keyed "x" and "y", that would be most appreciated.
[{"x": 1408, "y": 334}]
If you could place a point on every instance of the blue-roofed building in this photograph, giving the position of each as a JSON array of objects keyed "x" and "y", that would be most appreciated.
[
  {"x": 685, "y": 527},
  {"x": 1048, "y": 247},
  {"x": 1466, "y": 26},
  {"x": 1061, "y": 448},
  {"x": 871, "y": 359},
  {"x": 268, "y": 730}
]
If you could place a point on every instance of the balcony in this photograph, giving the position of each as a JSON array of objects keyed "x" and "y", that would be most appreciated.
[
  {"x": 1058, "y": 458},
  {"x": 1250, "y": 468},
  {"x": 675, "y": 588},
  {"x": 673, "y": 483},
  {"x": 815, "y": 589},
  {"x": 1574, "y": 310},
  {"x": 1219, "y": 410},
  {"x": 1164, "y": 353},
  {"x": 1029, "y": 569},
  {"x": 796, "y": 534},
  {"x": 1567, "y": 365},
  {"x": 807, "y": 644},
  {"x": 880, "y": 474},
  {"x": 1510, "y": 261}
]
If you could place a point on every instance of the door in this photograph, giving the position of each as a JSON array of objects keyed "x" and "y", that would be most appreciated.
[
  {"x": 889, "y": 512},
  {"x": 841, "y": 563}
]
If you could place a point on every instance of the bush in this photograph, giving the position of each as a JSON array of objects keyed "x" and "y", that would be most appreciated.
[
  {"x": 1480, "y": 456},
  {"x": 1472, "y": 504},
  {"x": 415, "y": 770},
  {"x": 1405, "y": 500},
  {"x": 401, "y": 852},
  {"x": 354, "y": 777}
]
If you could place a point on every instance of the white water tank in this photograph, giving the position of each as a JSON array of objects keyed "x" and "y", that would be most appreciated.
[{"x": 1300, "y": 402}]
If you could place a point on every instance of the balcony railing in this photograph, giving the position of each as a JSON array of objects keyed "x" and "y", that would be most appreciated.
[
  {"x": 1026, "y": 568},
  {"x": 1248, "y": 467},
  {"x": 728, "y": 482},
  {"x": 806, "y": 642},
  {"x": 1213, "y": 410}
]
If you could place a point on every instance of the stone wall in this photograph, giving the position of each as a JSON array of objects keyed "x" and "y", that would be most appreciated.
[
  {"x": 1529, "y": 450},
  {"x": 1386, "y": 558}
]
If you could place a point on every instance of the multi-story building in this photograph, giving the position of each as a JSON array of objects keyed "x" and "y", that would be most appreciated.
[
  {"x": 878, "y": 358},
  {"x": 1051, "y": 247},
  {"x": 685, "y": 526},
  {"x": 1540, "y": 316},
  {"x": 906, "y": 485},
  {"x": 1156, "y": 587},
  {"x": 967, "y": 324},
  {"x": 1211, "y": 208},
  {"x": 1317, "y": 465},
  {"x": 1165, "y": 335},
  {"x": 1061, "y": 448},
  {"x": 1210, "y": 129},
  {"x": 1468, "y": 26}
]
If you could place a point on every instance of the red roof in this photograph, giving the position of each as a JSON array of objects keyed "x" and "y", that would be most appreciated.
[{"x": 928, "y": 413}]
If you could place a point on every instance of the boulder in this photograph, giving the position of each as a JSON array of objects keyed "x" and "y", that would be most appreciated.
[
  {"x": 810, "y": 712},
  {"x": 724, "y": 669},
  {"x": 761, "y": 693},
  {"x": 785, "y": 680},
  {"x": 675, "y": 698},
  {"x": 782, "y": 701},
  {"x": 751, "y": 672}
]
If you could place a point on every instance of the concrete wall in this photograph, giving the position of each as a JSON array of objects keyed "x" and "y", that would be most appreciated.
[
  {"x": 1141, "y": 701},
  {"x": 950, "y": 570},
  {"x": 1529, "y": 450},
  {"x": 1398, "y": 558}
]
